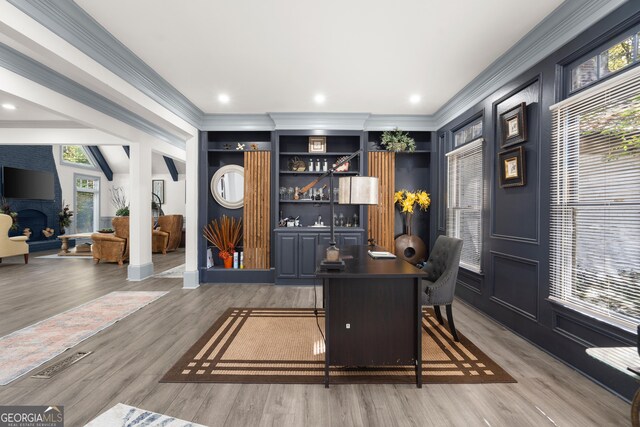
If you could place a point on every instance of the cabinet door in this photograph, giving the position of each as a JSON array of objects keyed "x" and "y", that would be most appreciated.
[
  {"x": 307, "y": 255},
  {"x": 325, "y": 239},
  {"x": 287, "y": 261},
  {"x": 350, "y": 239}
]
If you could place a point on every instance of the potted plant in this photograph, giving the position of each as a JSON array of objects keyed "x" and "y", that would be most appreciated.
[
  {"x": 397, "y": 140},
  {"x": 6, "y": 209},
  {"x": 409, "y": 246},
  {"x": 64, "y": 217},
  {"x": 119, "y": 201},
  {"x": 225, "y": 235}
]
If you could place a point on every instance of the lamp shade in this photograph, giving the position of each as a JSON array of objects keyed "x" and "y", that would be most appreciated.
[{"x": 358, "y": 190}]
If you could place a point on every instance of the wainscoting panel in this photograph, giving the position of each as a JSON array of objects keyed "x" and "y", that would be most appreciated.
[
  {"x": 380, "y": 218},
  {"x": 584, "y": 331},
  {"x": 469, "y": 280},
  {"x": 257, "y": 209},
  {"x": 515, "y": 284}
]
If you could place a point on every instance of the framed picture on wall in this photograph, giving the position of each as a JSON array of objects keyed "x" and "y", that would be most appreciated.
[
  {"x": 514, "y": 126},
  {"x": 317, "y": 144},
  {"x": 158, "y": 189},
  {"x": 512, "y": 167}
]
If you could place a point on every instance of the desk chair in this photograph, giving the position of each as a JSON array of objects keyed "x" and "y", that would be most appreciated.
[{"x": 442, "y": 270}]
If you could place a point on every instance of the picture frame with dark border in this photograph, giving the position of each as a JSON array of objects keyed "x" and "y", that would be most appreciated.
[
  {"x": 513, "y": 124},
  {"x": 157, "y": 188},
  {"x": 317, "y": 144},
  {"x": 511, "y": 165}
]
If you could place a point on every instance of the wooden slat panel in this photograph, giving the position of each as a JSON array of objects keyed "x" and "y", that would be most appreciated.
[
  {"x": 257, "y": 209},
  {"x": 380, "y": 218}
]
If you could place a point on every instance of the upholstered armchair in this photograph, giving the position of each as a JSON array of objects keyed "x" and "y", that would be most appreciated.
[
  {"x": 442, "y": 274},
  {"x": 112, "y": 247},
  {"x": 11, "y": 246},
  {"x": 168, "y": 233}
]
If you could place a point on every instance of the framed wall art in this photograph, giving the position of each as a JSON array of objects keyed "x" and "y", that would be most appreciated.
[
  {"x": 158, "y": 189},
  {"x": 511, "y": 165},
  {"x": 514, "y": 126},
  {"x": 317, "y": 144}
]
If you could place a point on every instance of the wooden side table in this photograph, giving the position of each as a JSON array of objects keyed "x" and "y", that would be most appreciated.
[{"x": 621, "y": 358}]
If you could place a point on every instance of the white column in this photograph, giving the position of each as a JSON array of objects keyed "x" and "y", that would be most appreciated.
[
  {"x": 140, "y": 262},
  {"x": 191, "y": 275}
]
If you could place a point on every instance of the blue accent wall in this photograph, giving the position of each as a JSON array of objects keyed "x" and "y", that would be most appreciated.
[
  {"x": 34, "y": 157},
  {"x": 514, "y": 286}
]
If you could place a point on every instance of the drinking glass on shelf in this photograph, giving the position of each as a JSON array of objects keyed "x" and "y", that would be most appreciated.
[
  {"x": 335, "y": 194},
  {"x": 283, "y": 191},
  {"x": 290, "y": 193}
]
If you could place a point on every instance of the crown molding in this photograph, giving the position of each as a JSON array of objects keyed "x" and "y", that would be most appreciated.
[
  {"x": 24, "y": 66},
  {"x": 415, "y": 122},
  {"x": 304, "y": 121},
  {"x": 568, "y": 20},
  {"x": 69, "y": 21},
  {"x": 237, "y": 122}
]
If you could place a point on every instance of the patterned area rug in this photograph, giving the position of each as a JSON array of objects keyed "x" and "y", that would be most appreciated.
[
  {"x": 30, "y": 347},
  {"x": 172, "y": 273},
  {"x": 251, "y": 345},
  {"x": 123, "y": 415}
]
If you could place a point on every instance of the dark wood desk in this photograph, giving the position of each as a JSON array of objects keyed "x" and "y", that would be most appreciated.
[{"x": 373, "y": 312}]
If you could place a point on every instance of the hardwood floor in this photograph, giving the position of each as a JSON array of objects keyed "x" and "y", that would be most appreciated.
[{"x": 130, "y": 357}]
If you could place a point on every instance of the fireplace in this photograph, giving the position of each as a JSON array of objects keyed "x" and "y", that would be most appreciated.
[{"x": 33, "y": 219}]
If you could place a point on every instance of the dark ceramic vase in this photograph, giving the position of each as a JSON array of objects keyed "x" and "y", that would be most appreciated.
[{"x": 410, "y": 248}]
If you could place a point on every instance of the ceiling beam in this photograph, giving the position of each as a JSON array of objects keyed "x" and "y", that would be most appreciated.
[
  {"x": 102, "y": 162},
  {"x": 173, "y": 170}
]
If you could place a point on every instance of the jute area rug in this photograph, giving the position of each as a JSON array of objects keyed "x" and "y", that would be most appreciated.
[{"x": 284, "y": 346}]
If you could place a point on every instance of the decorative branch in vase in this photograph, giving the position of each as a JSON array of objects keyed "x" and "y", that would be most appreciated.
[
  {"x": 224, "y": 234},
  {"x": 64, "y": 218},
  {"x": 6, "y": 209},
  {"x": 408, "y": 246}
]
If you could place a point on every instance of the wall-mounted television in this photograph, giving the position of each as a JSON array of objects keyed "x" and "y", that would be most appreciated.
[{"x": 27, "y": 184}]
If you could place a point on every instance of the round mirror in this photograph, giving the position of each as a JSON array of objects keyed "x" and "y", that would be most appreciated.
[{"x": 227, "y": 186}]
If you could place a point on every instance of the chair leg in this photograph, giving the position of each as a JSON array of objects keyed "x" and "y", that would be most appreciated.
[
  {"x": 436, "y": 308},
  {"x": 451, "y": 325},
  {"x": 26, "y": 258}
]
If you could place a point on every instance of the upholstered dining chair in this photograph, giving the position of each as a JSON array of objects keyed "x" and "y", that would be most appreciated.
[{"x": 442, "y": 271}]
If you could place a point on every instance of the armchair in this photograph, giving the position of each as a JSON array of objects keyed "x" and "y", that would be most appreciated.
[
  {"x": 10, "y": 246},
  {"x": 167, "y": 236},
  {"x": 112, "y": 247},
  {"x": 442, "y": 270}
]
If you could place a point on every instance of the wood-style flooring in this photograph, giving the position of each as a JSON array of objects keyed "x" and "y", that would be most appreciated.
[{"x": 130, "y": 357}]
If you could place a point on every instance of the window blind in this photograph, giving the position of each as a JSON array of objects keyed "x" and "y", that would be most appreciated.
[
  {"x": 595, "y": 201},
  {"x": 464, "y": 201}
]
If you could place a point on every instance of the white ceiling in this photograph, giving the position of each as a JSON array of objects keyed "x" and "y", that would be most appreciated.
[
  {"x": 25, "y": 111},
  {"x": 275, "y": 55}
]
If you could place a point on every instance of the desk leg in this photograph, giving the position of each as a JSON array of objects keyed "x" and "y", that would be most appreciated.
[
  {"x": 325, "y": 297},
  {"x": 418, "y": 286},
  {"x": 635, "y": 410}
]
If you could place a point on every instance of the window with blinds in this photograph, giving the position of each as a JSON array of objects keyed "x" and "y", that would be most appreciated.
[
  {"x": 464, "y": 201},
  {"x": 595, "y": 201}
]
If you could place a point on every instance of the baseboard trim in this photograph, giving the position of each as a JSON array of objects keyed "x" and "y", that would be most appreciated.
[
  {"x": 191, "y": 280},
  {"x": 136, "y": 273}
]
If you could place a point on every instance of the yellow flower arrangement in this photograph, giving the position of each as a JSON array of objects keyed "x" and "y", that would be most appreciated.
[{"x": 408, "y": 201}]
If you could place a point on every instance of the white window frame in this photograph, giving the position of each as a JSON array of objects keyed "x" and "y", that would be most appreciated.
[
  {"x": 92, "y": 160},
  {"x": 451, "y": 196},
  {"x": 96, "y": 199}
]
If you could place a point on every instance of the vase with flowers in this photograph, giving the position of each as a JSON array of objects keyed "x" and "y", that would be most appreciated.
[
  {"x": 64, "y": 218},
  {"x": 409, "y": 246},
  {"x": 224, "y": 234},
  {"x": 6, "y": 209}
]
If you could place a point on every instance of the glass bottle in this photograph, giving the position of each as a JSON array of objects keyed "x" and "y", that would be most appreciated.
[
  {"x": 310, "y": 165},
  {"x": 325, "y": 165},
  {"x": 318, "y": 165}
]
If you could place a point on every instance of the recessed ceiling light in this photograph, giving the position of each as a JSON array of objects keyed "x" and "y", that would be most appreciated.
[
  {"x": 414, "y": 99},
  {"x": 224, "y": 98},
  {"x": 319, "y": 98},
  {"x": 8, "y": 106}
]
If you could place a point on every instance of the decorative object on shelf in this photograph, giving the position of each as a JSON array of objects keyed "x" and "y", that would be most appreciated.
[
  {"x": 254, "y": 146},
  {"x": 514, "y": 125},
  {"x": 119, "y": 201},
  {"x": 227, "y": 186},
  {"x": 27, "y": 232},
  {"x": 409, "y": 246},
  {"x": 397, "y": 140},
  {"x": 512, "y": 167},
  {"x": 105, "y": 230},
  {"x": 227, "y": 146},
  {"x": 158, "y": 189},
  {"x": 64, "y": 218},
  {"x": 317, "y": 144},
  {"x": 224, "y": 234},
  {"x": 6, "y": 209},
  {"x": 297, "y": 165},
  {"x": 48, "y": 232},
  {"x": 343, "y": 165},
  {"x": 240, "y": 146}
]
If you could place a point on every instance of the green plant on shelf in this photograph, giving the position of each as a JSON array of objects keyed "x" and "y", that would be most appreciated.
[{"x": 397, "y": 140}]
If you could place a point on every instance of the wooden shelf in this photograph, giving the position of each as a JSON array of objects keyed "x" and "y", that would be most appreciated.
[
  {"x": 305, "y": 201},
  {"x": 304, "y": 153},
  {"x": 317, "y": 173}
]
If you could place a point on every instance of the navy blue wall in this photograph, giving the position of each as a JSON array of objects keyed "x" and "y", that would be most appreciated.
[
  {"x": 35, "y": 157},
  {"x": 514, "y": 286}
]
